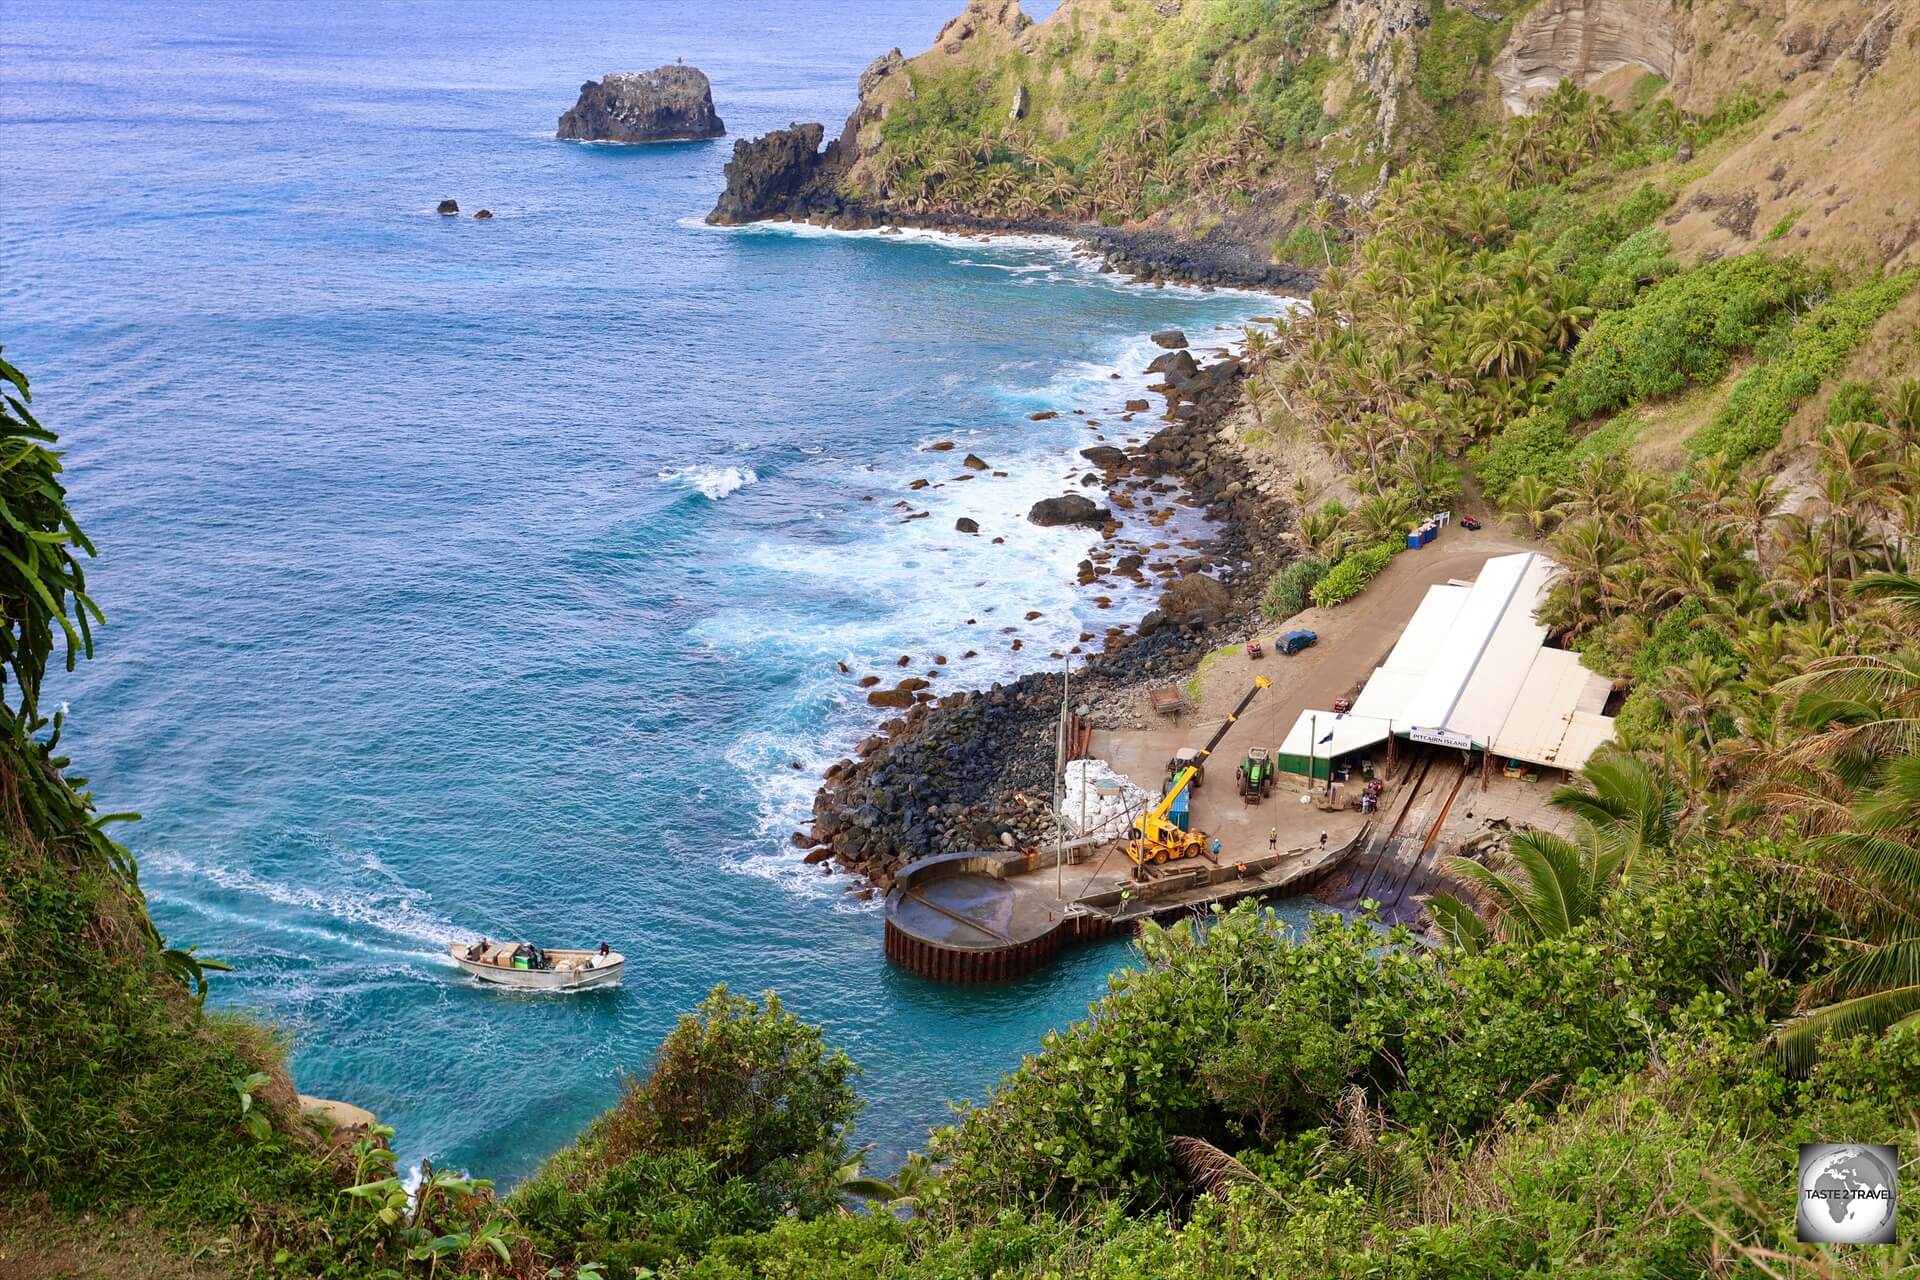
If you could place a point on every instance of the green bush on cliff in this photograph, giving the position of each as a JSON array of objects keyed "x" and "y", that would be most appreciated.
[
  {"x": 742, "y": 1119},
  {"x": 1683, "y": 330},
  {"x": 1253, "y": 1037},
  {"x": 1757, "y": 410},
  {"x": 1348, "y": 578},
  {"x": 1287, "y": 590},
  {"x": 114, "y": 1088}
]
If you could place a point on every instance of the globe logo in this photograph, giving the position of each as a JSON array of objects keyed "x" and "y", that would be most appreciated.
[{"x": 1847, "y": 1193}]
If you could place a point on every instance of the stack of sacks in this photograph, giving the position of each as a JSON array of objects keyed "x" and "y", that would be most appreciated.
[{"x": 1111, "y": 802}]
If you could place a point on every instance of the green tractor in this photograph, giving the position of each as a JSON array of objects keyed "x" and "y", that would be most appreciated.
[
  {"x": 1188, "y": 758},
  {"x": 1255, "y": 775}
]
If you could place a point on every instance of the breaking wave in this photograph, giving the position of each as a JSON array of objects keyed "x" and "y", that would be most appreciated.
[{"x": 713, "y": 482}]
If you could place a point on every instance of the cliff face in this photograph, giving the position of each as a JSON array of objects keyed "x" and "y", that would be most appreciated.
[
  {"x": 667, "y": 104},
  {"x": 1180, "y": 121},
  {"x": 1704, "y": 52},
  {"x": 1834, "y": 171}
]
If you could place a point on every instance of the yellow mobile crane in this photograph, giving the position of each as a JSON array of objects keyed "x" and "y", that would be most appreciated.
[{"x": 1156, "y": 838}]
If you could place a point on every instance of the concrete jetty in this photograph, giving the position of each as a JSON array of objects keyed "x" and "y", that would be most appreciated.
[{"x": 990, "y": 915}]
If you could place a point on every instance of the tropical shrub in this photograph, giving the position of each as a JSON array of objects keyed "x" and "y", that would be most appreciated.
[
  {"x": 1684, "y": 330},
  {"x": 744, "y": 1090},
  {"x": 1348, "y": 578},
  {"x": 1539, "y": 445},
  {"x": 1287, "y": 590},
  {"x": 1764, "y": 398}
]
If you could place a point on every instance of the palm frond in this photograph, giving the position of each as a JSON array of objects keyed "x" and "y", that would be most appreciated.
[{"x": 1798, "y": 1042}]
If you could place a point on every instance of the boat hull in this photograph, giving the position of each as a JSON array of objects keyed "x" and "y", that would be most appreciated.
[{"x": 570, "y": 972}]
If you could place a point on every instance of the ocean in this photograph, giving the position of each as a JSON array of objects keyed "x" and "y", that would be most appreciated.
[{"x": 491, "y": 577}]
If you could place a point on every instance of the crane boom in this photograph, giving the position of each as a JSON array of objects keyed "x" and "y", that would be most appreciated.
[
  {"x": 1259, "y": 683},
  {"x": 1152, "y": 825}
]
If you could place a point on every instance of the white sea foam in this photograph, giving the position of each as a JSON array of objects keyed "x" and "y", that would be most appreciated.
[
  {"x": 395, "y": 909},
  {"x": 1063, "y": 249},
  {"x": 946, "y": 592},
  {"x": 712, "y": 481}
]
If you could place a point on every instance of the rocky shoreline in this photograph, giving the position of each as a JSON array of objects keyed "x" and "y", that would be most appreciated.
[{"x": 975, "y": 769}]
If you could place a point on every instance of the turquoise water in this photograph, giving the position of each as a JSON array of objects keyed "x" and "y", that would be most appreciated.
[{"x": 490, "y": 576}]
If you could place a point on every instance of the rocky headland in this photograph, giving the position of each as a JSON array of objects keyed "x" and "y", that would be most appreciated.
[
  {"x": 786, "y": 176},
  {"x": 668, "y": 104}
]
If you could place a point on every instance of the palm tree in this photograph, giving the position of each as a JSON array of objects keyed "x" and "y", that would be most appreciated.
[
  {"x": 1320, "y": 218},
  {"x": 1384, "y": 515},
  {"x": 1508, "y": 337},
  {"x": 1627, "y": 807},
  {"x": 1752, "y": 506},
  {"x": 1863, "y": 704},
  {"x": 1551, "y": 885},
  {"x": 1877, "y": 986},
  {"x": 1530, "y": 500},
  {"x": 1696, "y": 691}
]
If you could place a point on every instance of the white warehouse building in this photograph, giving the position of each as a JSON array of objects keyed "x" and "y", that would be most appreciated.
[{"x": 1471, "y": 670}]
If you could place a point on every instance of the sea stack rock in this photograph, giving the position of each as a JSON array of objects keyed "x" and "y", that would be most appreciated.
[
  {"x": 448, "y": 207},
  {"x": 771, "y": 175},
  {"x": 667, "y": 104}
]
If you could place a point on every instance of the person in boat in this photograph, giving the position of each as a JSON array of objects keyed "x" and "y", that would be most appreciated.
[
  {"x": 478, "y": 949},
  {"x": 604, "y": 952}
]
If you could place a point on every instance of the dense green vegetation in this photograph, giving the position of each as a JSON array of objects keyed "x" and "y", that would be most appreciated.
[
  {"x": 1127, "y": 114},
  {"x": 1348, "y": 578},
  {"x": 1287, "y": 591},
  {"x": 742, "y": 1121}
]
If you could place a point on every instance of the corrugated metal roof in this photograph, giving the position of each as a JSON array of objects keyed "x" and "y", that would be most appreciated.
[
  {"x": 1586, "y": 734},
  {"x": 1428, "y": 631},
  {"x": 1536, "y": 729},
  {"x": 1471, "y": 666},
  {"x": 1493, "y": 690},
  {"x": 1350, "y": 732},
  {"x": 1473, "y": 628},
  {"x": 1387, "y": 694}
]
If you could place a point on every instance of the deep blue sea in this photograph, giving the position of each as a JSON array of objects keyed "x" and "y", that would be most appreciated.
[{"x": 473, "y": 577}]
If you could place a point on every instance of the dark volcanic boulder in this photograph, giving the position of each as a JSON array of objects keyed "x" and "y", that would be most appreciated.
[
  {"x": 448, "y": 206},
  {"x": 1105, "y": 455},
  {"x": 1068, "y": 509},
  {"x": 767, "y": 174},
  {"x": 667, "y": 104},
  {"x": 1172, "y": 339},
  {"x": 1177, "y": 366},
  {"x": 1196, "y": 597}
]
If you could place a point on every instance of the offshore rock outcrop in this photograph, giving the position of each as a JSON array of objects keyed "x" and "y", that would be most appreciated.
[
  {"x": 781, "y": 174},
  {"x": 667, "y": 104}
]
